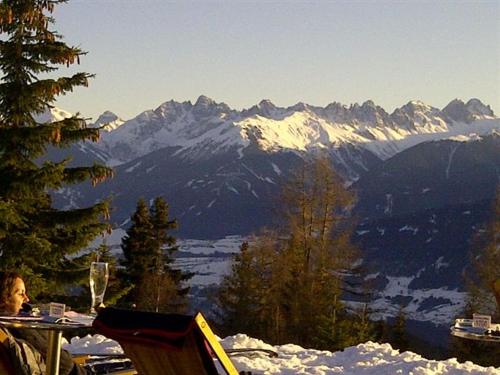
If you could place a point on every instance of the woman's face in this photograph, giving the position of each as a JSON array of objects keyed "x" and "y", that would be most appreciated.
[{"x": 16, "y": 298}]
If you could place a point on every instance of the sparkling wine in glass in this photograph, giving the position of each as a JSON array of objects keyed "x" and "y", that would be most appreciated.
[{"x": 98, "y": 282}]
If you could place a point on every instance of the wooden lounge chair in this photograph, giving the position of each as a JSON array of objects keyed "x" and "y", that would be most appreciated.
[{"x": 166, "y": 344}]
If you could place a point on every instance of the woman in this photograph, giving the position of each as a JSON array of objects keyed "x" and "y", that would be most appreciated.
[{"x": 12, "y": 296}]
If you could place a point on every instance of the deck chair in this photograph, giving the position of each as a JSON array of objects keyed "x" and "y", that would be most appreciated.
[
  {"x": 166, "y": 344},
  {"x": 6, "y": 367}
]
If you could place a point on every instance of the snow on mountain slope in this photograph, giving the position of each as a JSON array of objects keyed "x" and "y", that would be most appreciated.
[
  {"x": 210, "y": 127},
  {"x": 110, "y": 120},
  {"x": 206, "y": 127},
  {"x": 52, "y": 115}
]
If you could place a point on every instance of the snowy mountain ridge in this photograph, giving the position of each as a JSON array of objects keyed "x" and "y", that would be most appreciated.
[{"x": 207, "y": 127}]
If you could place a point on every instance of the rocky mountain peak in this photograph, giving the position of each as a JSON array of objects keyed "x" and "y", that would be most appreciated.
[
  {"x": 457, "y": 110},
  {"x": 300, "y": 107},
  {"x": 52, "y": 114},
  {"x": 265, "y": 108},
  {"x": 337, "y": 112},
  {"x": 417, "y": 104},
  {"x": 171, "y": 110},
  {"x": 109, "y": 119},
  {"x": 416, "y": 114},
  {"x": 371, "y": 113},
  {"x": 106, "y": 116},
  {"x": 415, "y": 107},
  {"x": 477, "y": 108},
  {"x": 204, "y": 101},
  {"x": 205, "y": 107}
]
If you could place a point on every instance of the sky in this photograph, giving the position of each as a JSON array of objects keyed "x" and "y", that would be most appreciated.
[{"x": 146, "y": 52}]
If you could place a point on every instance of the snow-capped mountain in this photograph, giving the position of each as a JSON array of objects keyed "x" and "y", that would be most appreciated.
[
  {"x": 209, "y": 160},
  {"x": 210, "y": 127},
  {"x": 473, "y": 110},
  {"x": 83, "y": 153},
  {"x": 108, "y": 121},
  {"x": 51, "y": 115}
]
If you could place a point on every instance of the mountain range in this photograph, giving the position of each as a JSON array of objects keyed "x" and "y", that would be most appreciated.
[
  {"x": 425, "y": 179},
  {"x": 216, "y": 128}
]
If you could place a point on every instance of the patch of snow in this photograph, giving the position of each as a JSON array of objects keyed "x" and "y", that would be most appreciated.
[
  {"x": 409, "y": 228},
  {"x": 439, "y": 263},
  {"x": 450, "y": 158},
  {"x": 230, "y": 188},
  {"x": 389, "y": 204},
  {"x": 130, "y": 169},
  {"x": 399, "y": 286},
  {"x": 465, "y": 138},
  {"x": 276, "y": 169},
  {"x": 368, "y": 358}
]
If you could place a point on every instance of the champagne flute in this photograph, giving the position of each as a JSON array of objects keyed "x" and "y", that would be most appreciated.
[{"x": 98, "y": 282}]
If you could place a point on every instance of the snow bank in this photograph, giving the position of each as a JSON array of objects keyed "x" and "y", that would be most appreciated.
[{"x": 369, "y": 358}]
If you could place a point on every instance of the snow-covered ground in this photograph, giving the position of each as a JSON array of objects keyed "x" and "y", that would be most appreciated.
[{"x": 369, "y": 358}]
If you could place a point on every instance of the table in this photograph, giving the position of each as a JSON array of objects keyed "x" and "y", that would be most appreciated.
[
  {"x": 54, "y": 331},
  {"x": 464, "y": 328}
]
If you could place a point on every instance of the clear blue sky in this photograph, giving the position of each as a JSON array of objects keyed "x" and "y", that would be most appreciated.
[{"x": 146, "y": 52}]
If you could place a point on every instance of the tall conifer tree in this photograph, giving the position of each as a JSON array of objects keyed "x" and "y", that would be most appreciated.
[
  {"x": 35, "y": 237},
  {"x": 136, "y": 245},
  {"x": 148, "y": 250}
]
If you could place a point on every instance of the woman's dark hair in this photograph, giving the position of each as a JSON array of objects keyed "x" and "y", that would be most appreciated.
[{"x": 7, "y": 282}]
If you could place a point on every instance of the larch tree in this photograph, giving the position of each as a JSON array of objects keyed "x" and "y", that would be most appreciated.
[
  {"x": 483, "y": 286},
  {"x": 316, "y": 207},
  {"x": 35, "y": 237},
  {"x": 286, "y": 285},
  {"x": 484, "y": 279}
]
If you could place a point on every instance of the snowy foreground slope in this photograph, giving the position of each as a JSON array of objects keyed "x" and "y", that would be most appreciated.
[{"x": 368, "y": 358}]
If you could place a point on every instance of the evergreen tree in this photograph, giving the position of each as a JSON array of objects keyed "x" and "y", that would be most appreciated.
[
  {"x": 136, "y": 247},
  {"x": 35, "y": 237},
  {"x": 237, "y": 297},
  {"x": 148, "y": 250},
  {"x": 171, "y": 292},
  {"x": 399, "y": 337}
]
